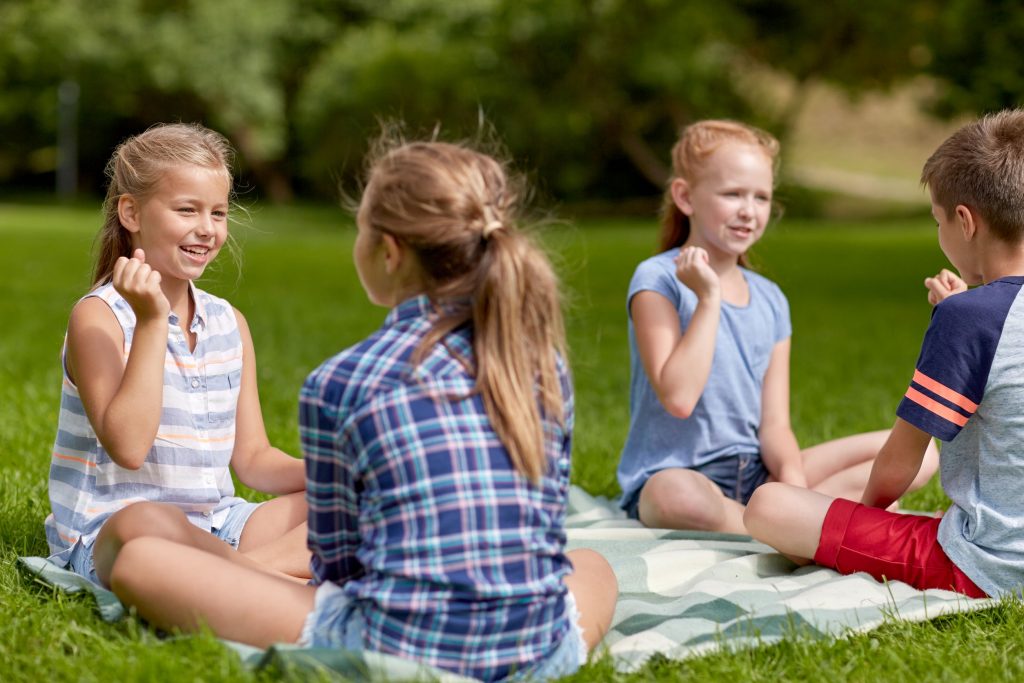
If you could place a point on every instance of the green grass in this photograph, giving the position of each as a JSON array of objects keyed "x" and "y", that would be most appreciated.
[{"x": 859, "y": 313}]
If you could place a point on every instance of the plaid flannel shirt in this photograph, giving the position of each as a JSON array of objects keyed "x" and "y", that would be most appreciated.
[{"x": 415, "y": 508}]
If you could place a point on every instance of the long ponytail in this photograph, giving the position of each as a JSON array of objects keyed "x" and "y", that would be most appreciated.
[{"x": 455, "y": 209}]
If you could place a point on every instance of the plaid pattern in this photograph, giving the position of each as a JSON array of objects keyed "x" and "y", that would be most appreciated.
[{"x": 454, "y": 558}]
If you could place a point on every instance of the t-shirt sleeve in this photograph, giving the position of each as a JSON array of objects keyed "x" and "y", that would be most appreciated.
[
  {"x": 653, "y": 275},
  {"x": 783, "y": 324},
  {"x": 952, "y": 370}
]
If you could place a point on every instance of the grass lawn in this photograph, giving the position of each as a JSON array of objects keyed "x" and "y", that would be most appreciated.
[{"x": 859, "y": 313}]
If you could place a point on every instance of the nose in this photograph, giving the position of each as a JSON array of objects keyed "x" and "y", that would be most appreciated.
[
  {"x": 746, "y": 209},
  {"x": 204, "y": 226}
]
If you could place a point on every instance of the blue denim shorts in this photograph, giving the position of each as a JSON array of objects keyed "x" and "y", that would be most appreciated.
[
  {"x": 736, "y": 475},
  {"x": 81, "y": 561},
  {"x": 336, "y": 623}
]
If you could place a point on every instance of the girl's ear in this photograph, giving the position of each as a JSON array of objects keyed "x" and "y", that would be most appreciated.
[
  {"x": 680, "y": 190},
  {"x": 128, "y": 212},
  {"x": 394, "y": 253},
  {"x": 966, "y": 220}
]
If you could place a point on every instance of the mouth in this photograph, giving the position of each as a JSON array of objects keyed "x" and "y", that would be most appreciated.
[
  {"x": 742, "y": 231},
  {"x": 196, "y": 253}
]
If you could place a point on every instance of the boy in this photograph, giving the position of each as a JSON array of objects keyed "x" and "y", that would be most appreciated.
[{"x": 967, "y": 391}]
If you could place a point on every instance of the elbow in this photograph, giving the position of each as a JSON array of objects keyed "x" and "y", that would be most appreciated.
[
  {"x": 678, "y": 405},
  {"x": 129, "y": 461},
  {"x": 126, "y": 457}
]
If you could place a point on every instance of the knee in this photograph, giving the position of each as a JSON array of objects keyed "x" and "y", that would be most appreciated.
[
  {"x": 593, "y": 565},
  {"x": 143, "y": 519},
  {"x": 678, "y": 504},
  {"x": 759, "y": 513}
]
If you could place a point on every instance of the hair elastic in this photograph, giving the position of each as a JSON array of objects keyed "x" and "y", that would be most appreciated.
[{"x": 491, "y": 226}]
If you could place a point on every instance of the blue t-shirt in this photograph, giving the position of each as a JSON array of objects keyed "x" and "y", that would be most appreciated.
[
  {"x": 726, "y": 418},
  {"x": 968, "y": 391}
]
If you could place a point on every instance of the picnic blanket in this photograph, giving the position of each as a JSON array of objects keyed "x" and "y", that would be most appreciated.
[
  {"x": 681, "y": 593},
  {"x": 684, "y": 593}
]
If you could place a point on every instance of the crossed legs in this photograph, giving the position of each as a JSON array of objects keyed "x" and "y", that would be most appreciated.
[
  {"x": 273, "y": 539},
  {"x": 679, "y": 498}
]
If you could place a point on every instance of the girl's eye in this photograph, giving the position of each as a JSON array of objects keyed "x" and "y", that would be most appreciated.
[
  {"x": 220, "y": 214},
  {"x": 186, "y": 209}
]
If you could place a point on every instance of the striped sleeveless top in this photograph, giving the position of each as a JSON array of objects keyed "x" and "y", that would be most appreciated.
[{"x": 188, "y": 463}]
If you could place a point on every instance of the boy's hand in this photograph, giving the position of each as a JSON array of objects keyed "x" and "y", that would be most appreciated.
[
  {"x": 694, "y": 271},
  {"x": 139, "y": 284},
  {"x": 943, "y": 285}
]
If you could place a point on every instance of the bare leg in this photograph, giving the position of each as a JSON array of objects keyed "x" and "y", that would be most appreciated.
[
  {"x": 840, "y": 468},
  {"x": 788, "y": 518},
  {"x": 275, "y": 535},
  {"x": 596, "y": 589},
  {"x": 157, "y": 520},
  {"x": 684, "y": 499},
  {"x": 176, "y": 586}
]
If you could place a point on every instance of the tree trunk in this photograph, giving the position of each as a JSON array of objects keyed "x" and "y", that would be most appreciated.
[
  {"x": 644, "y": 159},
  {"x": 269, "y": 177}
]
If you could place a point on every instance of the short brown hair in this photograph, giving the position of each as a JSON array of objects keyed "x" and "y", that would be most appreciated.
[{"x": 982, "y": 167}]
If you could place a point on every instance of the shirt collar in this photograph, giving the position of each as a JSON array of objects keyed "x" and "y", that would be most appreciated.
[
  {"x": 421, "y": 306},
  {"x": 199, "y": 319},
  {"x": 417, "y": 307}
]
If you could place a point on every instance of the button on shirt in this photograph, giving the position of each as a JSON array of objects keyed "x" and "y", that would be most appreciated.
[
  {"x": 453, "y": 557},
  {"x": 188, "y": 463}
]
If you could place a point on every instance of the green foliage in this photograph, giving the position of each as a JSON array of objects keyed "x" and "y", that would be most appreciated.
[
  {"x": 589, "y": 93},
  {"x": 975, "y": 48}
]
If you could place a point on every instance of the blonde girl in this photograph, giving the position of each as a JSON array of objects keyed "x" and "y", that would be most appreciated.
[
  {"x": 437, "y": 454},
  {"x": 159, "y": 396},
  {"x": 709, "y": 352}
]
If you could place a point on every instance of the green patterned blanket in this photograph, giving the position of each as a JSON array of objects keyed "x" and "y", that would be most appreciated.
[
  {"x": 683, "y": 593},
  {"x": 680, "y": 594}
]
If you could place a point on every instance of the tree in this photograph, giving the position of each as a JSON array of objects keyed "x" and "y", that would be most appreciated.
[{"x": 976, "y": 51}]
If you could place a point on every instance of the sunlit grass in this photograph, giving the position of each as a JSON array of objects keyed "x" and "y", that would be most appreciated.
[{"x": 859, "y": 313}]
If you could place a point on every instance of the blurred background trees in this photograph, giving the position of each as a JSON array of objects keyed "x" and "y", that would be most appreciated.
[{"x": 589, "y": 94}]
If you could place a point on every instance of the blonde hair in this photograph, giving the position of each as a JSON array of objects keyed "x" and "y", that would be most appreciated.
[
  {"x": 982, "y": 167},
  {"x": 696, "y": 143},
  {"x": 135, "y": 168},
  {"x": 456, "y": 210}
]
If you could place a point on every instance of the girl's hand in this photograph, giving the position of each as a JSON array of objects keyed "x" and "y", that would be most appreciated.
[
  {"x": 694, "y": 271},
  {"x": 943, "y": 285},
  {"x": 140, "y": 286}
]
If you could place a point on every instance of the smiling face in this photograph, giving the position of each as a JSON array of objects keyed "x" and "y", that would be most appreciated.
[
  {"x": 729, "y": 202},
  {"x": 182, "y": 223}
]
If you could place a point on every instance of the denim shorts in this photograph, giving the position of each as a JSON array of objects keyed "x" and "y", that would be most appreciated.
[
  {"x": 336, "y": 623},
  {"x": 736, "y": 475},
  {"x": 81, "y": 560}
]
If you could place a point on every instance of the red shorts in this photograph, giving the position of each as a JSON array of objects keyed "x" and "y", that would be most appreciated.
[{"x": 889, "y": 545}]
